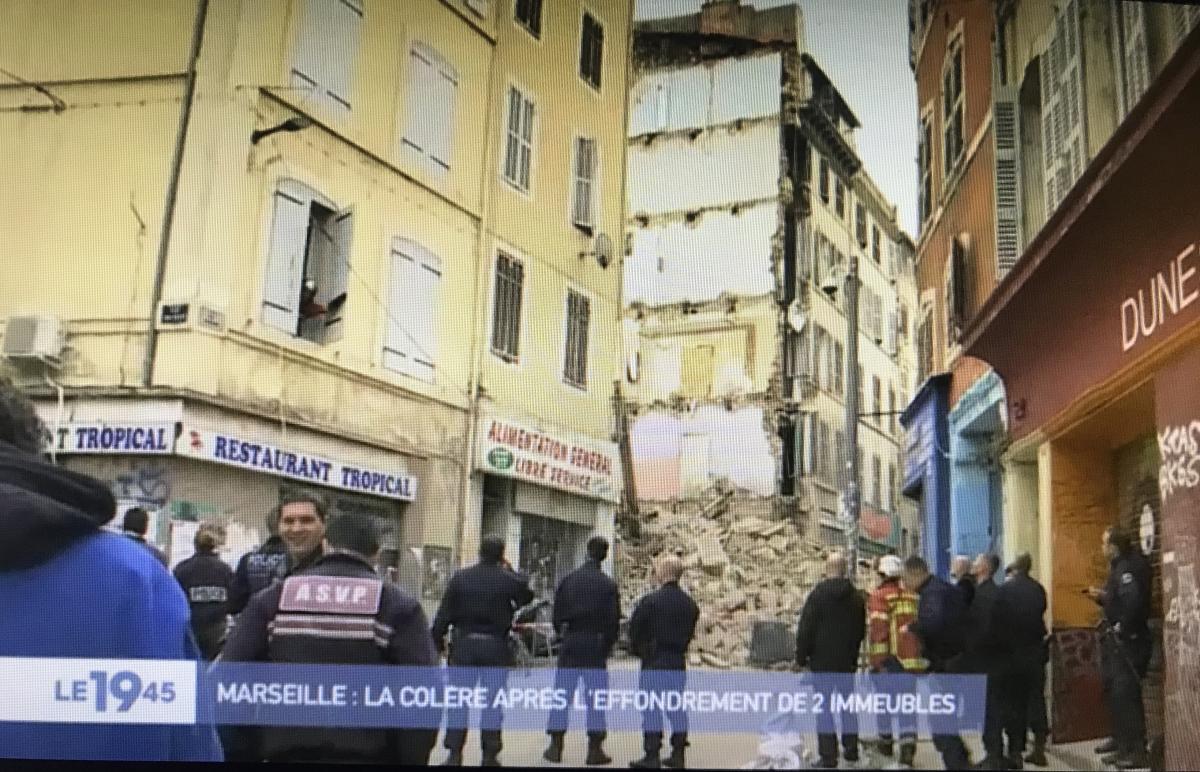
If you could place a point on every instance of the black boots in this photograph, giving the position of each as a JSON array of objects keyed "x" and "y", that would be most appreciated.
[
  {"x": 596, "y": 757},
  {"x": 675, "y": 760},
  {"x": 553, "y": 754},
  {"x": 1037, "y": 756},
  {"x": 649, "y": 761},
  {"x": 453, "y": 760}
]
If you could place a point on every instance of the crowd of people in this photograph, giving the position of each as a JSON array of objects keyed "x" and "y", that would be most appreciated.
[{"x": 69, "y": 588}]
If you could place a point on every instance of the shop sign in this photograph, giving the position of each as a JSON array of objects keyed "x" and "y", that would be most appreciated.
[
  {"x": 1168, "y": 294},
  {"x": 231, "y": 450},
  {"x": 582, "y": 466},
  {"x": 125, "y": 438}
]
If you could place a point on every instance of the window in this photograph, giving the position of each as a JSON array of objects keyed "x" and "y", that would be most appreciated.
[
  {"x": 528, "y": 14},
  {"x": 877, "y": 481},
  {"x": 506, "y": 313},
  {"x": 876, "y": 255},
  {"x": 326, "y": 50},
  {"x": 924, "y": 155},
  {"x": 891, "y": 489},
  {"x": 839, "y": 200},
  {"x": 591, "y": 50},
  {"x": 410, "y": 345},
  {"x": 860, "y": 224},
  {"x": 307, "y": 266},
  {"x": 518, "y": 147},
  {"x": 823, "y": 180},
  {"x": 576, "y": 358},
  {"x": 952, "y": 109},
  {"x": 1063, "y": 110},
  {"x": 903, "y": 320},
  {"x": 821, "y": 351},
  {"x": 862, "y": 389},
  {"x": 925, "y": 347},
  {"x": 877, "y": 392},
  {"x": 839, "y": 375},
  {"x": 584, "y": 185},
  {"x": 892, "y": 409},
  {"x": 432, "y": 92},
  {"x": 826, "y": 461}
]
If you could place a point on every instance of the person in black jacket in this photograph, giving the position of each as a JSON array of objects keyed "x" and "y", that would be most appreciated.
[
  {"x": 258, "y": 569},
  {"x": 279, "y": 625},
  {"x": 829, "y": 636},
  {"x": 1126, "y": 646},
  {"x": 479, "y": 604},
  {"x": 984, "y": 655},
  {"x": 587, "y": 619},
  {"x": 941, "y": 627},
  {"x": 206, "y": 580},
  {"x": 960, "y": 572},
  {"x": 660, "y": 631},
  {"x": 135, "y": 524},
  {"x": 1019, "y": 629}
]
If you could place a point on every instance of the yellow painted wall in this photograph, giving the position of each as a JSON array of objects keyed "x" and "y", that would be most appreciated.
[{"x": 537, "y": 226}]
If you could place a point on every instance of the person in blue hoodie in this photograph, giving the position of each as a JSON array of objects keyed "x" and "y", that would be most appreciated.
[{"x": 70, "y": 589}]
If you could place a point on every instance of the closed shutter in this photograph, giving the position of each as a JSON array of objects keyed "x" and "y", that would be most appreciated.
[
  {"x": 662, "y": 106},
  {"x": 285, "y": 257},
  {"x": 1063, "y": 118},
  {"x": 410, "y": 346},
  {"x": 1134, "y": 51},
  {"x": 445, "y": 90},
  {"x": 584, "y": 183},
  {"x": 327, "y": 49},
  {"x": 890, "y": 333},
  {"x": 1006, "y": 131},
  {"x": 432, "y": 93},
  {"x": 1184, "y": 19},
  {"x": 418, "y": 133}
]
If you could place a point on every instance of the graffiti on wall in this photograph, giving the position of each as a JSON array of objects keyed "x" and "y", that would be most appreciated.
[
  {"x": 1182, "y": 631},
  {"x": 1179, "y": 447},
  {"x": 146, "y": 482},
  {"x": 437, "y": 570}
]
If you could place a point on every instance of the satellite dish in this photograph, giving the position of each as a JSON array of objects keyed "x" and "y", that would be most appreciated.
[{"x": 796, "y": 317}]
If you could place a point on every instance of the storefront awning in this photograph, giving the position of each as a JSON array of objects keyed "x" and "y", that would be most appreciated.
[{"x": 1115, "y": 273}]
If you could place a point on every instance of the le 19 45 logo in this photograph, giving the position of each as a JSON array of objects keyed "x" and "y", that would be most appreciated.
[{"x": 500, "y": 458}]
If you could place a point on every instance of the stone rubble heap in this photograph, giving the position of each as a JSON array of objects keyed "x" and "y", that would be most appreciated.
[{"x": 742, "y": 566}]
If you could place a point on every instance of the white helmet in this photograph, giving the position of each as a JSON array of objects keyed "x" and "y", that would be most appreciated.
[{"x": 891, "y": 566}]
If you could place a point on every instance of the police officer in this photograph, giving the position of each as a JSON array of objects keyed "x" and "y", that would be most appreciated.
[
  {"x": 279, "y": 625},
  {"x": 587, "y": 619},
  {"x": 134, "y": 525},
  {"x": 479, "y": 604},
  {"x": 206, "y": 580},
  {"x": 1019, "y": 625},
  {"x": 258, "y": 569},
  {"x": 660, "y": 631},
  {"x": 941, "y": 628},
  {"x": 1125, "y": 646}
]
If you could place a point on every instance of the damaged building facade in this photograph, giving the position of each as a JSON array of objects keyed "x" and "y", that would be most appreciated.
[{"x": 746, "y": 196}]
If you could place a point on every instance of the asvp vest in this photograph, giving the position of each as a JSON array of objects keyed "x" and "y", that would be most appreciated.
[{"x": 334, "y": 620}]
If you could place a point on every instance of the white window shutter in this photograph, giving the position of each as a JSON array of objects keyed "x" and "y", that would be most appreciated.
[
  {"x": 341, "y": 48},
  {"x": 445, "y": 89},
  {"x": 418, "y": 132},
  {"x": 333, "y": 290},
  {"x": 326, "y": 50},
  {"x": 662, "y": 106},
  {"x": 398, "y": 344},
  {"x": 585, "y": 176},
  {"x": 1006, "y": 130},
  {"x": 425, "y": 307},
  {"x": 892, "y": 325},
  {"x": 285, "y": 258}
]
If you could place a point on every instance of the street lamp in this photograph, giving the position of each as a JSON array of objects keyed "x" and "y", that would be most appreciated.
[{"x": 851, "y": 504}]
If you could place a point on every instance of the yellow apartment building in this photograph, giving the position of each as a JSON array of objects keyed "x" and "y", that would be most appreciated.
[{"x": 338, "y": 244}]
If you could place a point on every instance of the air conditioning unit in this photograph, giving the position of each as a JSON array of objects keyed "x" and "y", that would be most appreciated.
[{"x": 37, "y": 337}]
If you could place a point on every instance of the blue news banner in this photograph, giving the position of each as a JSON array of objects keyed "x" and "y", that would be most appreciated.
[{"x": 181, "y": 692}]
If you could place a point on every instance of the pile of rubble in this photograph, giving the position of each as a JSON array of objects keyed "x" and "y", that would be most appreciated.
[{"x": 743, "y": 567}]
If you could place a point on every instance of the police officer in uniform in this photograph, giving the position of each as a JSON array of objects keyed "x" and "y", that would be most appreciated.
[
  {"x": 279, "y": 625},
  {"x": 206, "y": 580},
  {"x": 985, "y": 655},
  {"x": 1019, "y": 625},
  {"x": 1125, "y": 645},
  {"x": 479, "y": 604},
  {"x": 660, "y": 631},
  {"x": 258, "y": 569},
  {"x": 587, "y": 619}
]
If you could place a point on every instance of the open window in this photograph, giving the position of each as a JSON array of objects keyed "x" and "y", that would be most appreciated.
[
  {"x": 308, "y": 265},
  {"x": 583, "y": 188}
]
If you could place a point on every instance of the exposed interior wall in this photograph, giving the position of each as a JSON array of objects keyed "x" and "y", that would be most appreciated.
[{"x": 678, "y": 455}]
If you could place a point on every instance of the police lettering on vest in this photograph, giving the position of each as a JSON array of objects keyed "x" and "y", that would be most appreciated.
[{"x": 208, "y": 594}]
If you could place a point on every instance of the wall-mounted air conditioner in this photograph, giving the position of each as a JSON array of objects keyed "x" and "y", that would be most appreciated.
[{"x": 35, "y": 337}]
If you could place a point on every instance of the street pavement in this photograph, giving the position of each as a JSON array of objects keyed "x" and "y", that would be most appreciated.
[{"x": 725, "y": 751}]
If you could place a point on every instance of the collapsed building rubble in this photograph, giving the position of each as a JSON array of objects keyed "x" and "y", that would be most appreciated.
[{"x": 743, "y": 566}]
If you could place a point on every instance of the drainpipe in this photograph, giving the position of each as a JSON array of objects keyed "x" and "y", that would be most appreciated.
[{"x": 160, "y": 263}]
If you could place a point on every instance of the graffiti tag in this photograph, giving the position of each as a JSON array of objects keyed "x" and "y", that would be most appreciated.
[{"x": 1179, "y": 447}]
